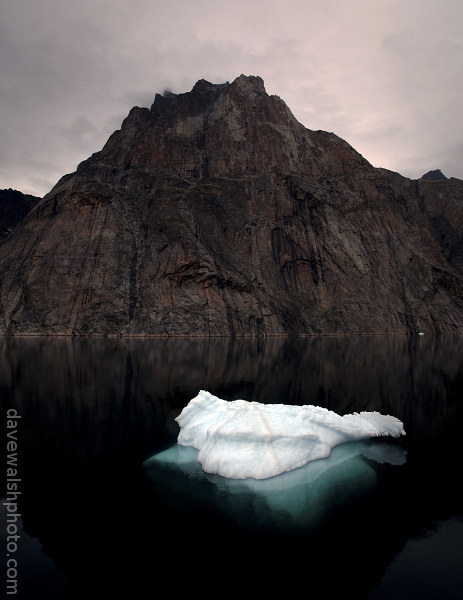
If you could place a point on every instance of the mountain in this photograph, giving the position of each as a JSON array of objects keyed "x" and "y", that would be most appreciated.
[
  {"x": 215, "y": 212},
  {"x": 435, "y": 175},
  {"x": 14, "y": 206}
]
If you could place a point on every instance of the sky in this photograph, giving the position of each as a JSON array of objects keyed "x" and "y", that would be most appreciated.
[{"x": 384, "y": 75}]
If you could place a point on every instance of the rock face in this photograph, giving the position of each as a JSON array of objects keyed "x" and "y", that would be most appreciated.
[
  {"x": 216, "y": 212},
  {"x": 14, "y": 206}
]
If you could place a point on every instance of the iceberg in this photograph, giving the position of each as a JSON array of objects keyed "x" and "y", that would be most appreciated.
[{"x": 240, "y": 439}]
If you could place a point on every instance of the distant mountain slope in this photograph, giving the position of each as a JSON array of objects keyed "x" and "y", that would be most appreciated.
[
  {"x": 14, "y": 206},
  {"x": 215, "y": 212},
  {"x": 435, "y": 175}
]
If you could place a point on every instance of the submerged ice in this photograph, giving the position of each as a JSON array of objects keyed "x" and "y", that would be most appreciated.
[
  {"x": 240, "y": 439},
  {"x": 297, "y": 500}
]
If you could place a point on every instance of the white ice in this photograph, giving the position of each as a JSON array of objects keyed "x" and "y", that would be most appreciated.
[{"x": 239, "y": 439}]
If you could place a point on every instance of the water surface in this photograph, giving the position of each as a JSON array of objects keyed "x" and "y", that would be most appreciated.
[{"x": 93, "y": 520}]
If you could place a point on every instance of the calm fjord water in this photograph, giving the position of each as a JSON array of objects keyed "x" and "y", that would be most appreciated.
[{"x": 93, "y": 520}]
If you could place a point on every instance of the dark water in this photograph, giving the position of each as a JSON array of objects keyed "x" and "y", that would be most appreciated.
[{"x": 94, "y": 520}]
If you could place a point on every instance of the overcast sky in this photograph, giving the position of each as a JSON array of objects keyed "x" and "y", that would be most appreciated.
[{"x": 385, "y": 75}]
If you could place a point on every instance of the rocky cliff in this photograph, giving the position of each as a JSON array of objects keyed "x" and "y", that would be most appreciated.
[{"x": 215, "y": 212}]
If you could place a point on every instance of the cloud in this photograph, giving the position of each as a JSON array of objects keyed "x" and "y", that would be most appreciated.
[{"x": 384, "y": 75}]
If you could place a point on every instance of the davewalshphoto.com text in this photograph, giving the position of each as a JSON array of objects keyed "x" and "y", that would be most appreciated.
[{"x": 13, "y": 485}]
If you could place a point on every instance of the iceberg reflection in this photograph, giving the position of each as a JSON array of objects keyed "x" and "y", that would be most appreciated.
[{"x": 300, "y": 499}]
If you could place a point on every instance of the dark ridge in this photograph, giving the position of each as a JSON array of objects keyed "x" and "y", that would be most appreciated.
[
  {"x": 435, "y": 175},
  {"x": 14, "y": 206}
]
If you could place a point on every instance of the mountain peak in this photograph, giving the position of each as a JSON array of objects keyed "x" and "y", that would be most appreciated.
[
  {"x": 249, "y": 83},
  {"x": 435, "y": 175},
  {"x": 202, "y": 86}
]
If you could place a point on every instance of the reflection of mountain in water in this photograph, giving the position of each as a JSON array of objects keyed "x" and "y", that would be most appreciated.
[{"x": 130, "y": 390}]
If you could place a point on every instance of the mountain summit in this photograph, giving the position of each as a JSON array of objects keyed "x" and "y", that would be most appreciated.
[
  {"x": 435, "y": 175},
  {"x": 215, "y": 212}
]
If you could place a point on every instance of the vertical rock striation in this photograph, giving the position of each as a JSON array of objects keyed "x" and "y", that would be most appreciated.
[{"x": 215, "y": 212}]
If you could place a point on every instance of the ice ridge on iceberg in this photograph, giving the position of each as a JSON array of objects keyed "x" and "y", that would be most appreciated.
[{"x": 240, "y": 439}]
